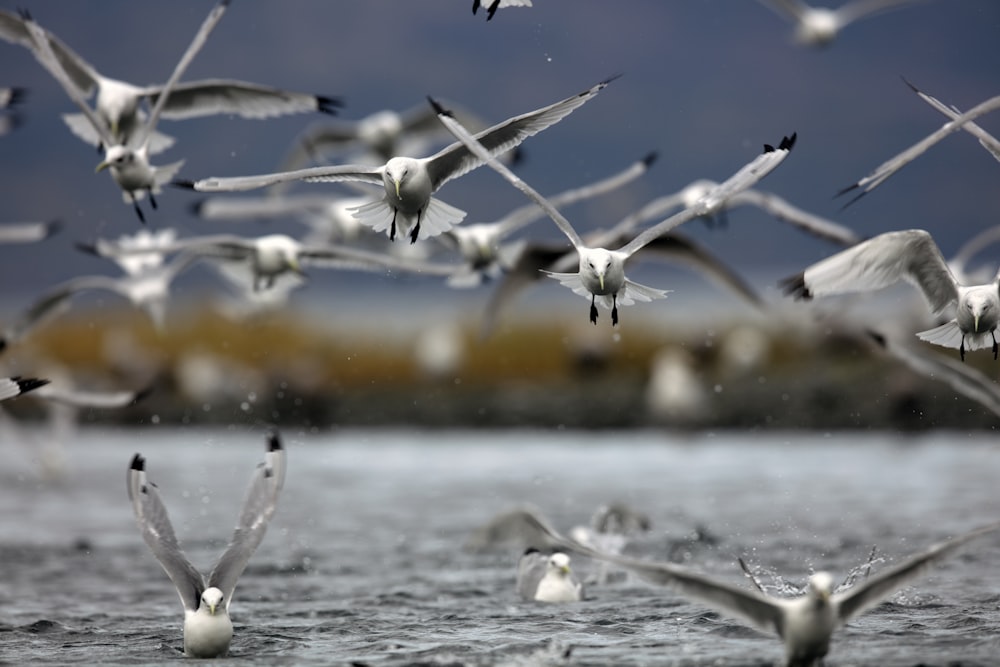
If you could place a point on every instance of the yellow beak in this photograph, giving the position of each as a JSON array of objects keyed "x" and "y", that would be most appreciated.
[
  {"x": 601, "y": 278},
  {"x": 975, "y": 324},
  {"x": 102, "y": 166},
  {"x": 211, "y": 609},
  {"x": 397, "y": 189},
  {"x": 564, "y": 569},
  {"x": 114, "y": 129}
]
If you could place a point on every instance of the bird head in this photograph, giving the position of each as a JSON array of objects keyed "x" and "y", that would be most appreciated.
[
  {"x": 116, "y": 157},
  {"x": 396, "y": 171},
  {"x": 597, "y": 262},
  {"x": 211, "y": 600},
  {"x": 979, "y": 303},
  {"x": 559, "y": 562},
  {"x": 820, "y": 586}
]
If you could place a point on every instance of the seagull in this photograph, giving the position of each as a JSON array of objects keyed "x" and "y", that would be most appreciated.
[
  {"x": 410, "y": 182},
  {"x": 118, "y": 104},
  {"x": 274, "y": 255},
  {"x": 913, "y": 256},
  {"x": 27, "y": 232},
  {"x": 12, "y": 387},
  {"x": 499, "y": 4},
  {"x": 148, "y": 290},
  {"x": 208, "y": 630},
  {"x": 480, "y": 244},
  {"x": 819, "y": 26},
  {"x": 987, "y": 140},
  {"x": 128, "y": 162},
  {"x": 806, "y": 623},
  {"x": 547, "y": 578},
  {"x": 894, "y": 164},
  {"x": 602, "y": 271}
]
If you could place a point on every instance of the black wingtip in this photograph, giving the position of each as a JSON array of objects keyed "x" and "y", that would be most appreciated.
[
  {"x": 24, "y": 14},
  {"x": 908, "y": 83},
  {"x": 795, "y": 286},
  {"x": 53, "y": 227},
  {"x": 878, "y": 338},
  {"x": 89, "y": 248},
  {"x": 475, "y": 6},
  {"x": 768, "y": 148},
  {"x": 438, "y": 109},
  {"x": 273, "y": 440},
  {"x": 650, "y": 158},
  {"x": 142, "y": 394},
  {"x": 531, "y": 550},
  {"x": 17, "y": 95},
  {"x": 604, "y": 83},
  {"x": 787, "y": 142},
  {"x": 492, "y": 10},
  {"x": 138, "y": 463},
  {"x": 195, "y": 208},
  {"x": 850, "y": 188},
  {"x": 328, "y": 105},
  {"x": 24, "y": 385},
  {"x": 183, "y": 183}
]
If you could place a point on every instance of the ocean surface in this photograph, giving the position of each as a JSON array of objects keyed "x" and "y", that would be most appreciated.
[{"x": 364, "y": 564}]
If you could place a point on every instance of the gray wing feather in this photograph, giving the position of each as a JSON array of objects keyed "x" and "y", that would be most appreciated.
[
  {"x": 312, "y": 174},
  {"x": 530, "y": 571},
  {"x": 860, "y": 598},
  {"x": 154, "y": 524},
  {"x": 193, "y": 99},
  {"x": 81, "y": 74},
  {"x": 456, "y": 159},
  {"x": 258, "y": 508}
]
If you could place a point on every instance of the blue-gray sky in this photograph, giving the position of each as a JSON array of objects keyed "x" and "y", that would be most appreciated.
[{"x": 705, "y": 82}]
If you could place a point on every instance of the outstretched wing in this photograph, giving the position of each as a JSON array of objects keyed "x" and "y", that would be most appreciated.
[
  {"x": 258, "y": 508},
  {"x": 154, "y": 524}
]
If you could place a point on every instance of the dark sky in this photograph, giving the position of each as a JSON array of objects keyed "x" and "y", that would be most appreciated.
[{"x": 705, "y": 83}]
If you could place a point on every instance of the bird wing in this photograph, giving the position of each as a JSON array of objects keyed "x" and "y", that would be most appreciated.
[
  {"x": 154, "y": 524},
  {"x": 782, "y": 210},
  {"x": 41, "y": 46},
  {"x": 258, "y": 508},
  {"x": 193, "y": 48},
  {"x": 910, "y": 255},
  {"x": 80, "y": 73},
  {"x": 856, "y": 600},
  {"x": 11, "y": 387},
  {"x": 525, "y": 272},
  {"x": 987, "y": 140},
  {"x": 483, "y": 154},
  {"x": 894, "y": 164},
  {"x": 457, "y": 159},
  {"x": 351, "y": 172},
  {"x": 348, "y": 257},
  {"x": 794, "y": 10},
  {"x": 531, "y": 567},
  {"x": 852, "y": 11},
  {"x": 51, "y": 302},
  {"x": 746, "y": 177},
  {"x": 193, "y": 99},
  {"x": 28, "y": 232},
  {"x": 90, "y": 399},
  {"x": 529, "y": 213},
  {"x": 522, "y": 526}
]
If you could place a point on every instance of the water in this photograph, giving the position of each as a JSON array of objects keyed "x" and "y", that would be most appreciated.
[{"x": 362, "y": 563}]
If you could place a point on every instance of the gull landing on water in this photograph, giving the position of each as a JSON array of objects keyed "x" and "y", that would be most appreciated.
[
  {"x": 409, "y": 183},
  {"x": 208, "y": 630},
  {"x": 601, "y": 271},
  {"x": 128, "y": 162},
  {"x": 913, "y": 256}
]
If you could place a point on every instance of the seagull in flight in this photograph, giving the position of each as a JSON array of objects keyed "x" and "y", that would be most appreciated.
[
  {"x": 409, "y": 183},
  {"x": 913, "y": 256},
  {"x": 118, "y": 105},
  {"x": 208, "y": 630},
  {"x": 819, "y": 26},
  {"x": 127, "y": 161},
  {"x": 602, "y": 271}
]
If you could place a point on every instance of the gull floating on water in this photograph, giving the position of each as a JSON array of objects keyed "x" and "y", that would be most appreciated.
[
  {"x": 208, "y": 630},
  {"x": 547, "y": 578},
  {"x": 118, "y": 104},
  {"x": 894, "y": 164},
  {"x": 410, "y": 182},
  {"x": 128, "y": 162},
  {"x": 819, "y": 26},
  {"x": 602, "y": 271},
  {"x": 913, "y": 256}
]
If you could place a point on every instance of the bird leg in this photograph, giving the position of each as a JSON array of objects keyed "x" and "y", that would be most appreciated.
[
  {"x": 593, "y": 309},
  {"x": 392, "y": 229},
  {"x": 416, "y": 228},
  {"x": 961, "y": 348},
  {"x": 138, "y": 211},
  {"x": 614, "y": 310},
  {"x": 152, "y": 199},
  {"x": 994, "y": 335}
]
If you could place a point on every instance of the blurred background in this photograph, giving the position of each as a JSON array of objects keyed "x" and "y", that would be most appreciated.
[{"x": 703, "y": 83}]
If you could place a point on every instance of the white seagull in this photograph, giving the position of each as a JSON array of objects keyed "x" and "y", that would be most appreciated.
[
  {"x": 805, "y": 624},
  {"x": 913, "y": 256},
  {"x": 547, "y": 578},
  {"x": 894, "y": 164},
  {"x": 819, "y": 26},
  {"x": 602, "y": 271},
  {"x": 118, "y": 104},
  {"x": 208, "y": 630},
  {"x": 410, "y": 182},
  {"x": 128, "y": 162}
]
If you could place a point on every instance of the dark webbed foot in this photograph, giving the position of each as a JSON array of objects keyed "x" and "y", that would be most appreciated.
[
  {"x": 593, "y": 311},
  {"x": 414, "y": 233},
  {"x": 392, "y": 229},
  {"x": 138, "y": 211},
  {"x": 152, "y": 199},
  {"x": 961, "y": 349},
  {"x": 614, "y": 311},
  {"x": 993, "y": 334}
]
